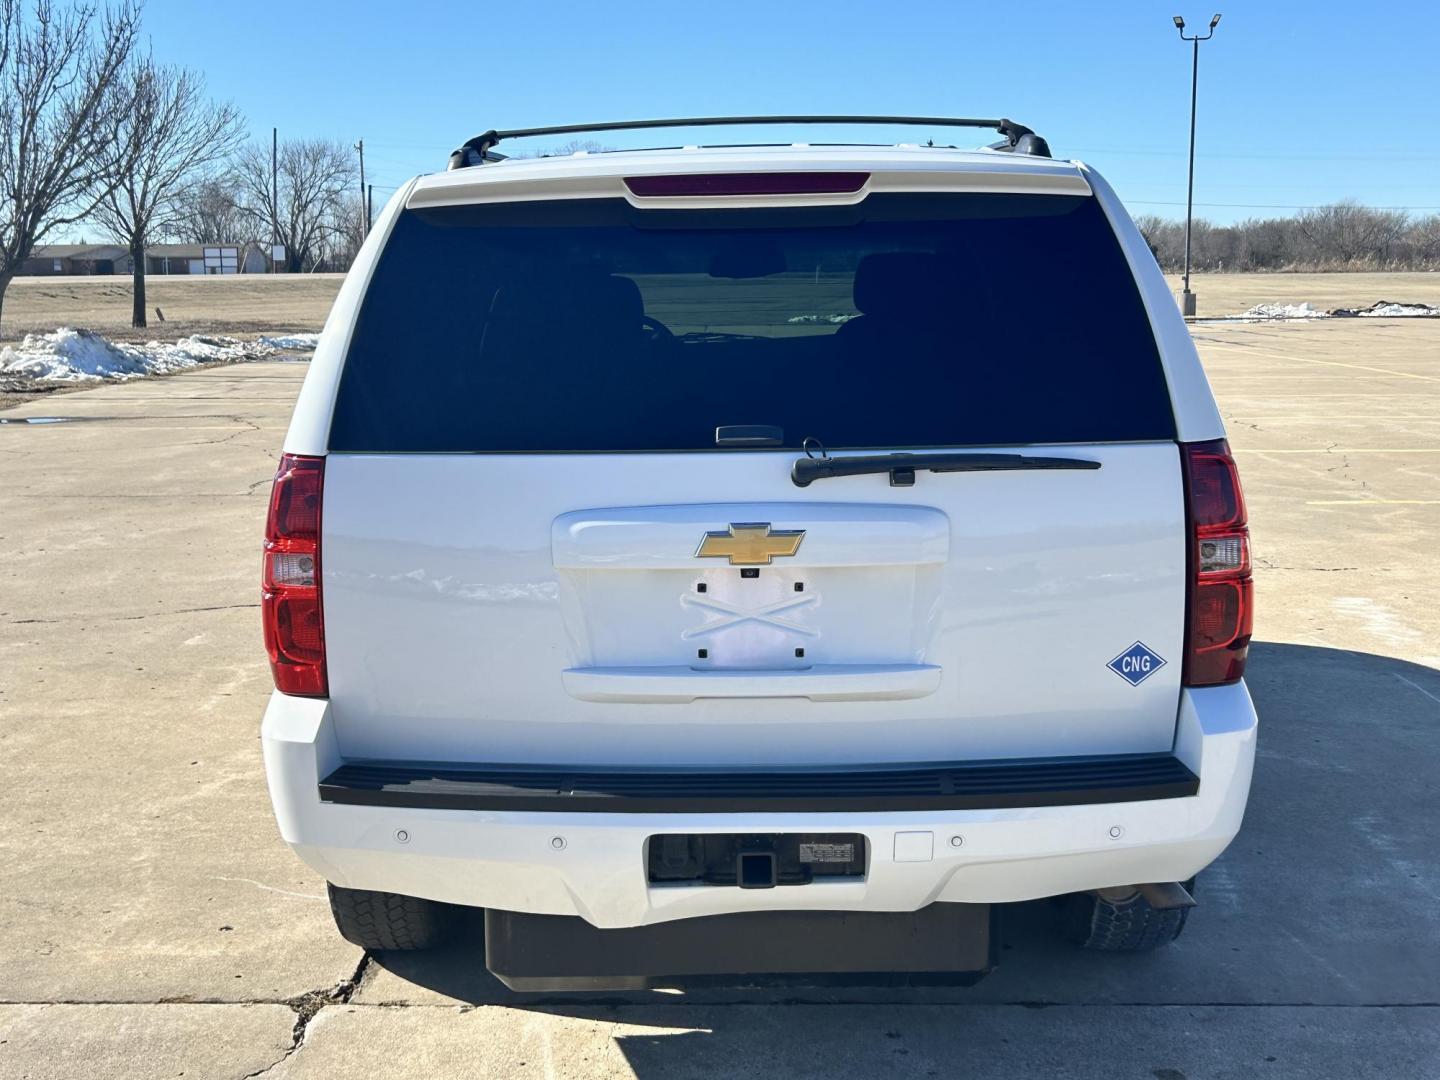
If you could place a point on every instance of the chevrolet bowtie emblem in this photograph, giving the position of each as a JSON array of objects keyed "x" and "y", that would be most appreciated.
[{"x": 750, "y": 544}]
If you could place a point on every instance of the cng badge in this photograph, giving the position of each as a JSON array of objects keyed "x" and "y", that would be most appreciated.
[{"x": 1136, "y": 664}]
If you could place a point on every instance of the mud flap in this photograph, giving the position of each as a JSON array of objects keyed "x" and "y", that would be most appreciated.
[{"x": 942, "y": 943}]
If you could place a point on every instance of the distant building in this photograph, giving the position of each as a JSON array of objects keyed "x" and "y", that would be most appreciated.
[
  {"x": 52, "y": 260},
  {"x": 205, "y": 259}
]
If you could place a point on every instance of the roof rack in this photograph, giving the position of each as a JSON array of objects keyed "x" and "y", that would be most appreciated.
[{"x": 1018, "y": 138}]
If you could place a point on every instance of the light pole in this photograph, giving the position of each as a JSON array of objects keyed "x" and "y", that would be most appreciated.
[{"x": 1187, "y": 299}]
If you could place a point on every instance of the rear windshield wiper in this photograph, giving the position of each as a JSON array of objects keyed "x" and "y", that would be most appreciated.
[{"x": 902, "y": 467}]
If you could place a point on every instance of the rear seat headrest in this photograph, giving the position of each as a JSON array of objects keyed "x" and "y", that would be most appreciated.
[
  {"x": 582, "y": 300},
  {"x": 623, "y": 295},
  {"x": 905, "y": 284}
]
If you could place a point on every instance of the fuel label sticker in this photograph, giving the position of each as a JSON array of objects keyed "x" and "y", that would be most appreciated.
[
  {"x": 827, "y": 853},
  {"x": 1137, "y": 663}
]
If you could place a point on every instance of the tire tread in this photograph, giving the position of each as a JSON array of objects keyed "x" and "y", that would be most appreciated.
[
  {"x": 389, "y": 921},
  {"x": 1131, "y": 925}
]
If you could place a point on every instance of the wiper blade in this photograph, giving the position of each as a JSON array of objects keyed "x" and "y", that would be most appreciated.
[{"x": 902, "y": 467}]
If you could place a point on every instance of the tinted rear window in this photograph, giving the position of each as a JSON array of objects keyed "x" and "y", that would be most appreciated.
[{"x": 906, "y": 321}]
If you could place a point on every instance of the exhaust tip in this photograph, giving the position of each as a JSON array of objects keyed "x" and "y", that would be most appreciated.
[{"x": 1166, "y": 895}]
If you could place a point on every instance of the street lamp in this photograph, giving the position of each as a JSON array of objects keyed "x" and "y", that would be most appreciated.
[{"x": 1187, "y": 297}]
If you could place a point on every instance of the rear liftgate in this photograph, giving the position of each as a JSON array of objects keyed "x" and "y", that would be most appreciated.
[{"x": 949, "y": 943}]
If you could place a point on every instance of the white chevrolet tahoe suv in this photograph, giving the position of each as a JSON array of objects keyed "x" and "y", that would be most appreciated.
[{"x": 728, "y": 560}]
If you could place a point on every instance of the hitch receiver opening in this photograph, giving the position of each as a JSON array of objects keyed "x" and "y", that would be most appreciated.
[{"x": 755, "y": 870}]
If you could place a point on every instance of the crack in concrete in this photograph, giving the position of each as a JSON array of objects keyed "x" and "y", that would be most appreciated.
[
  {"x": 249, "y": 426},
  {"x": 309, "y": 1005},
  {"x": 271, "y": 888},
  {"x": 129, "y": 618},
  {"x": 1416, "y": 686},
  {"x": 1311, "y": 569}
]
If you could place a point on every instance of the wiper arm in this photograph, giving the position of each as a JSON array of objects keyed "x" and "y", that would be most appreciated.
[{"x": 902, "y": 467}]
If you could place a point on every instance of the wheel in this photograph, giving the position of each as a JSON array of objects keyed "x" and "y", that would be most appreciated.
[
  {"x": 1126, "y": 924},
  {"x": 382, "y": 920}
]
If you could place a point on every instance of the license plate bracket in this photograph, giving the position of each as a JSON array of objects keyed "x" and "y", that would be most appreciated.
[{"x": 755, "y": 860}]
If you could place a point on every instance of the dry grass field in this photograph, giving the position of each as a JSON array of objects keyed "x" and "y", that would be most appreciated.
[
  {"x": 253, "y": 304},
  {"x": 238, "y": 306}
]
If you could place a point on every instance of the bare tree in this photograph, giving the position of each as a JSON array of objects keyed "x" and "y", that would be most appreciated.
[
  {"x": 572, "y": 146},
  {"x": 347, "y": 234},
  {"x": 1423, "y": 240},
  {"x": 1265, "y": 244},
  {"x": 208, "y": 211},
  {"x": 314, "y": 177},
  {"x": 565, "y": 149},
  {"x": 1349, "y": 233},
  {"x": 61, "y": 104},
  {"x": 1341, "y": 236},
  {"x": 1154, "y": 228},
  {"x": 174, "y": 133}
]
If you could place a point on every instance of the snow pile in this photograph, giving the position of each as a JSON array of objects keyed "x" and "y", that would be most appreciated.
[
  {"x": 84, "y": 356},
  {"x": 808, "y": 319},
  {"x": 1284, "y": 311},
  {"x": 305, "y": 342},
  {"x": 1391, "y": 309},
  {"x": 1381, "y": 309}
]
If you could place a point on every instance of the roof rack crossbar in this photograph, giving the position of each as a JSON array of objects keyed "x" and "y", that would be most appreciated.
[{"x": 1017, "y": 137}]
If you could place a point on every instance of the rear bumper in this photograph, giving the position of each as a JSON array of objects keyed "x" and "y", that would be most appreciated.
[
  {"x": 995, "y": 785},
  {"x": 591, "y": 863}
]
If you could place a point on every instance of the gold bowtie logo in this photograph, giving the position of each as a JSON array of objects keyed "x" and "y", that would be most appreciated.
[{"x": 750, "y": 544}]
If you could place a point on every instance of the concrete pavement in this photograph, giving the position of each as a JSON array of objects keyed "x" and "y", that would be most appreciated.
[
  {"x": 145, "y": 887},
  {"x": 121, "y": 1042}
]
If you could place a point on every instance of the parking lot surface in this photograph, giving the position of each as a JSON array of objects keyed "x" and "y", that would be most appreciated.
[{"x": 153, "y": 924}]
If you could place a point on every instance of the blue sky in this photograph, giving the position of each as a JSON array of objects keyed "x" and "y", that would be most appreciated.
[{"x": 1300, "y": 104}]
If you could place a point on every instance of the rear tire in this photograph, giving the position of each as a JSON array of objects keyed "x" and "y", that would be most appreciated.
[
  {"x": 389, "y": 921},
  {"x": 1127, "y": 925}
]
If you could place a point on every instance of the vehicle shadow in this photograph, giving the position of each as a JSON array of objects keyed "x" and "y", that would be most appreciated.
[{"x": 1328, "y": 896}]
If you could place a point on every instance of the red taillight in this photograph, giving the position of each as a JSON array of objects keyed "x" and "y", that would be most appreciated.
[
  {"x": 790, "y": 183},
  {"x": 1221, "y": 598},
  {"x": 290, "y": 578}
]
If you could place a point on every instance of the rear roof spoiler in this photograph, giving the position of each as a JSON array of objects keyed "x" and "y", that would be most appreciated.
[{"x": 1018, "y": 138}]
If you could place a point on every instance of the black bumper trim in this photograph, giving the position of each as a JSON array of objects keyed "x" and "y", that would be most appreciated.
[
  {"x": 968, "y": 785},
  {"x": 946, "y": 944}
]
